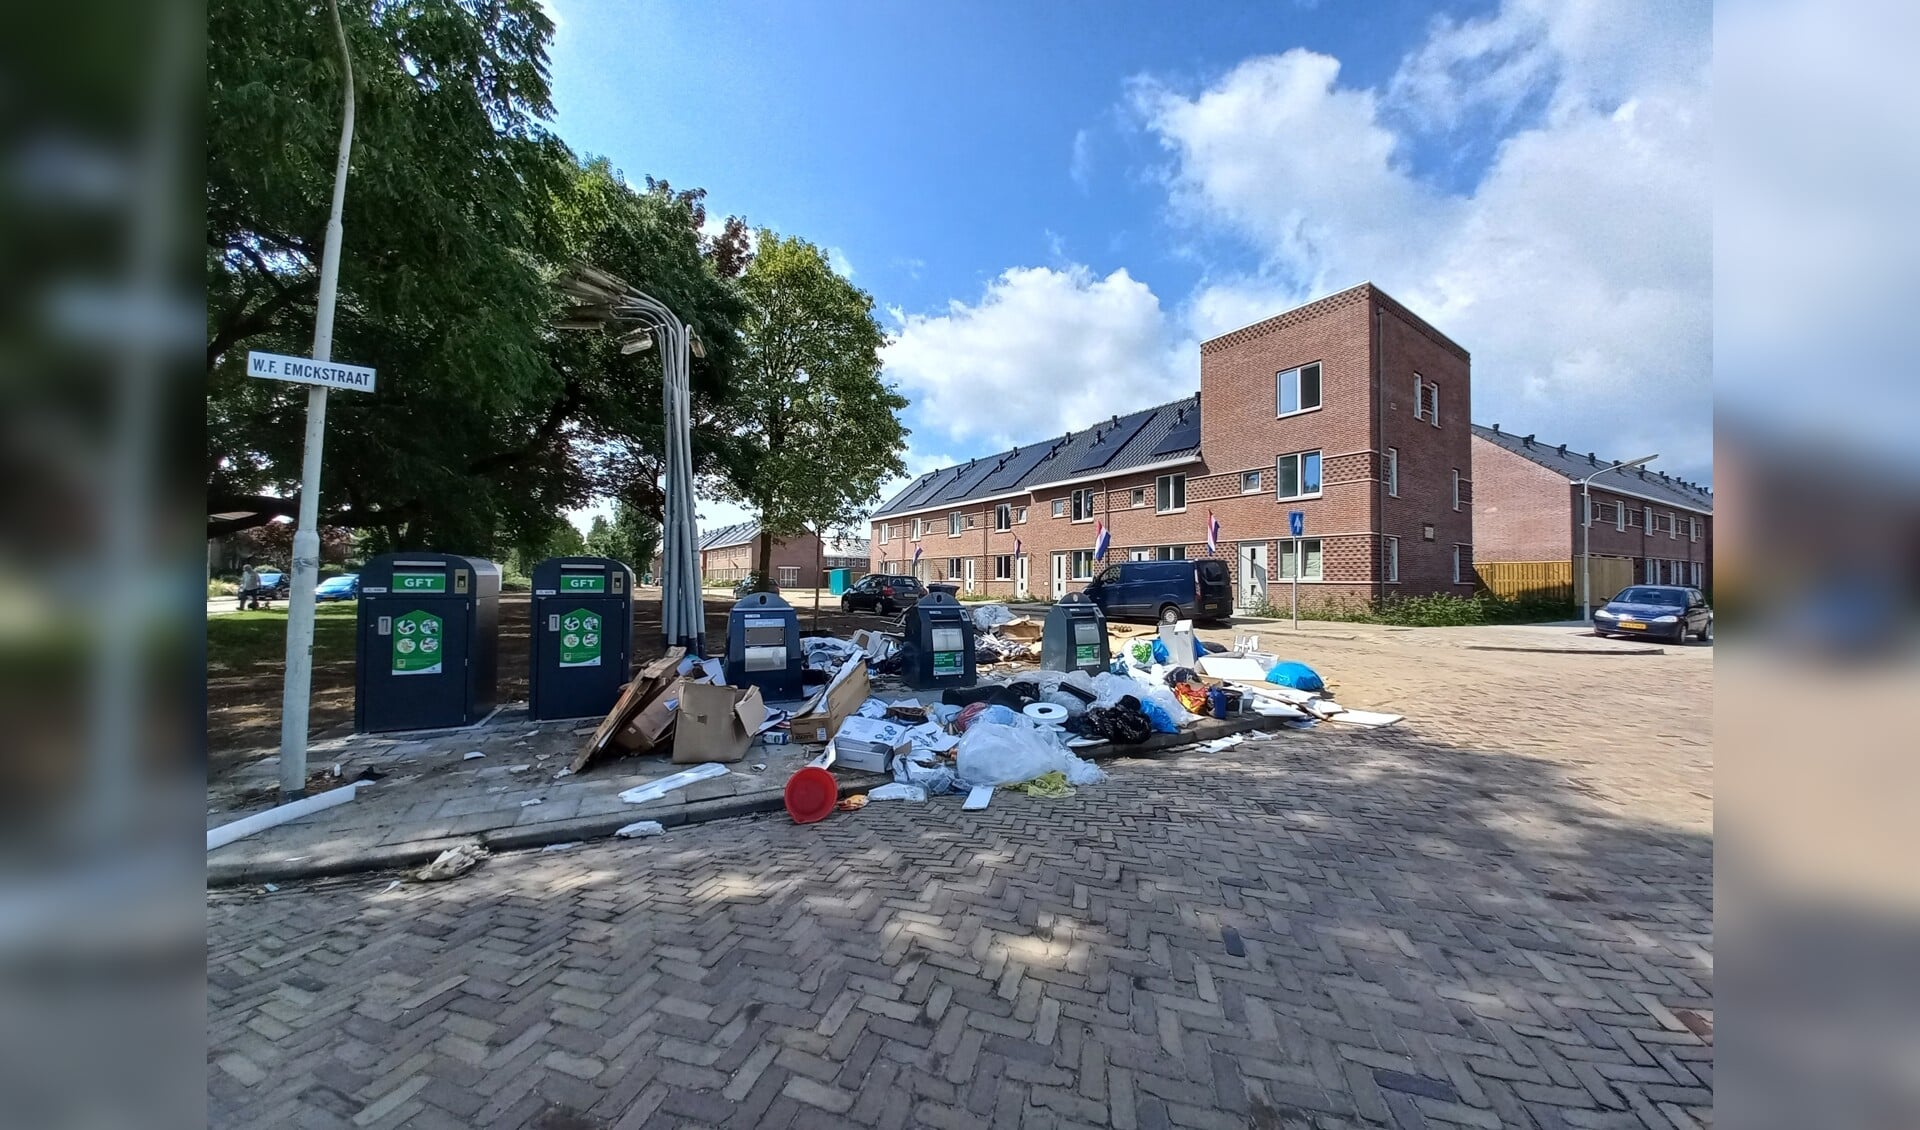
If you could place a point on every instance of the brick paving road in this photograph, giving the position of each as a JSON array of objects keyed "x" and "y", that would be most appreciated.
[{"x": 1476, "y": 920}]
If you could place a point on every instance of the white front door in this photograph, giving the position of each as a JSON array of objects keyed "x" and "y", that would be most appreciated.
[
  {"x": 1059, "y": 575},
  {"x": 1253, "y": 573},
  {"x": 1020, "y": 576},
  {"x": 968, "y": 569}
]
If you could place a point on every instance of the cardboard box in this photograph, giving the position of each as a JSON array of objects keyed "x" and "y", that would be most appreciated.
[
  {"x": 716, "y": 722},
  {"x": 820, "y": 718},
  {"x": 870, "y": 743},
  {"x": 653, "y": 724},
  {"x": 652, "y": 679},
  {"x": 1022, "y": 630}
]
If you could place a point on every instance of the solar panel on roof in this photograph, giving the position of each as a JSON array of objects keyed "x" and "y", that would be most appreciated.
[
  {"x": 967, "y": 481},
  {"x": 1115, "y": 437},
  {"x": 1017, "y": 468},
  {"x": 1185, "y": 434}
]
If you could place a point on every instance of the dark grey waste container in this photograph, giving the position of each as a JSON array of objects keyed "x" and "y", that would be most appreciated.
[
  {"x": 428, "y": 642},
  {"x": 763, "y": 646},
  {"x": 1075, "y": 636},
  {"x": 938, "y": 646},
  {"x": 580, "y": 652}
]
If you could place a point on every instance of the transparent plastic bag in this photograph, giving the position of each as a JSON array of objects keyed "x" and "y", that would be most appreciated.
[{"x": 1009, "y": 755}]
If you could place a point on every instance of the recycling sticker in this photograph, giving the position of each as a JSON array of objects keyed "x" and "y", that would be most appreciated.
[
  {"x": 580, "y": 639},
  {"x": 416, "y": 644}
]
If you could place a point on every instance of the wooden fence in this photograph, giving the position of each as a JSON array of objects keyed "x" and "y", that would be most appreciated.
[{"x": 1553, "y": 580}]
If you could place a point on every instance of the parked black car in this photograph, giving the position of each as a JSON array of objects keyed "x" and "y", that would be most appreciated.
[
  {"x": 885, "y": 593},
  {"x": 1668, "y": 612}
]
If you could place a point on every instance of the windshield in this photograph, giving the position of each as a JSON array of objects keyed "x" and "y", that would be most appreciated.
[{"x": 1643, "y": 595}]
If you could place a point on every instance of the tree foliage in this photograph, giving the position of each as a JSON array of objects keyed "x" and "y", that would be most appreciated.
[
  {"x": 632, "y": 536},
  {"x": 819, "y": 431}
]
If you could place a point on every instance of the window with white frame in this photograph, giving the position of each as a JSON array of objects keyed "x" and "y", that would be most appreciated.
[
  {"x": 1619, "y": 515},
  {"x": 883, "y": 533},
  {"x": 1297, "y": 390},
  {"x": 789, "y": 576},
  {"x": 917, "y": 526},
  {"x": 1003, "y": 517},
  {"x": 1249, "y": 482},
  {"x": 1139, "y": 497},
  {"x": 1059, "y": 508},
  {"x": 1169, "y": 494},
  {"x": 953, "y": 568},
  {"x": 1022, "y": 515},
  {"x": 1301, "y": 554},
  {"x": 1003, "y": 568},
  {"x": 1693, "y": 530},
  {"x": 1696, "y": 574},
  {"x": 1426, "y": 400},
  {"x": 1298, "y": 475},
  {"x": 1393, "y": 472},
  {"x": 1083, "y": 564},
  {"x": 1456, "y": 488},
  {"x": 1652, "y": 572},
  {"x": 1673, "y": 526},
  {"x": 956, "y": 522},
  {"x": 1456, "y": 564},
  {"x": 1083, "y": 504},
  {"x": 1170, "y": 553},
  {"x": 1390, "y": 561},
  {"x": 1646, "y": 520}
]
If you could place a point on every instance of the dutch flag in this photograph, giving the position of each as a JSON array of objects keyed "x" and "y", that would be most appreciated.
[
  {"x": 1100, "y": 540},
  {"x": 1016, "y": 547},
  {"x": 916, "y": 555},
  {"x": 1213, "y": 533}
]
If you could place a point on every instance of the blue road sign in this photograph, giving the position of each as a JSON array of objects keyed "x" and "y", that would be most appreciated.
[{"x": 1296, "y": 522}]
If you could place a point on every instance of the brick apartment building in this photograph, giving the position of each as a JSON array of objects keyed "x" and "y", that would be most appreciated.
[
  {"x": 726, "y": 555},
  {"x": 1350, "y": 409},
  {"x": 1646, "y": 527}
]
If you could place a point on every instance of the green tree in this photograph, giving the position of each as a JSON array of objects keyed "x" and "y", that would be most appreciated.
[
  {"x": 818, "y": 430},
  {"x": 600, "y": 537},
  {"x": 632, "y": 536},
  {"x": 461, "y": 208}
]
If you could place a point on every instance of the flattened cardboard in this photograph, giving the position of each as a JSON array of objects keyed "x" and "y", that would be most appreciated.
[
  {"x": 652, "y": 678},
  {"x": 1022, "y": 630},
  {"x": 653, "y": 724},
  {"x": 716, "y": 722}
]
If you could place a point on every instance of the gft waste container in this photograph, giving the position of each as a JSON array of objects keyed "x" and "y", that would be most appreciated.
[
  {"x": 581, "y": 648},
  {"x": 427, "y": 646},
  {"x": 1075, "y": 636},
  {"x": 938, "y": 647}
]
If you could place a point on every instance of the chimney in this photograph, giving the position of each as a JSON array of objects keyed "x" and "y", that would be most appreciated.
[
  {"x": 1563, "y": 449},
  {"x": 1528, "y": 440},
  {"x": 1591, "y": 461},
  {"x": 1496, "y": 429}
]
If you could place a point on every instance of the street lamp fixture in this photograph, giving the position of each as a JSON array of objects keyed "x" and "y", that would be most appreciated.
[{"x": 1586, "y": 532}]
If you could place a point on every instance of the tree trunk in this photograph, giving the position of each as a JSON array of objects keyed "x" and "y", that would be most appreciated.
[
  {"x": 819, "y": 577},
  {"x": 763, "y": 556}
]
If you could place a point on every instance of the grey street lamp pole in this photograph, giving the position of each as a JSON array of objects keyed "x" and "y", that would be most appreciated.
[
  {"x": 610, "y": 302},
  {"x": 306, "y": 538},
  {"x": 1586, "y": 532}
]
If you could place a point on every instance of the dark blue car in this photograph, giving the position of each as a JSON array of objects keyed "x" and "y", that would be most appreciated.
[
  {"x": 346, "y": 586},
  {"x": 1668, "y": 612},
  {"x": 1166, "y": 591}
]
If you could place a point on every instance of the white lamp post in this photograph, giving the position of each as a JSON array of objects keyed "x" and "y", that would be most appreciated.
[{"x": 1586, "y": 532}]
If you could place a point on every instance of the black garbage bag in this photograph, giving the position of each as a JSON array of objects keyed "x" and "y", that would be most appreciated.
[
  {"x": 1123, "y": 723},
  {"x": 1181, "y": 675}
]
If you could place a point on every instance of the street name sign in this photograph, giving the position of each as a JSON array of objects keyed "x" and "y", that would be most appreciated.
[{"x": 306, "y": 371}]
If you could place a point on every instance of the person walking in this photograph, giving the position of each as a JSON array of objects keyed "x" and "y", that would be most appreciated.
[{"x": 249, "y": 585}]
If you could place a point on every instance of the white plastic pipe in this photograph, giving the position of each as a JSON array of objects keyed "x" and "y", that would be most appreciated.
[{"x": 280, "y": 814}]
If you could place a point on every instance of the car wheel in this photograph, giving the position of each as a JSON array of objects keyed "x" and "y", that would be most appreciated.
[
  {"x": 1706, "y": 633},
  {"x": 846, "y": 604},
  {"x": 1169, "y": 613},
  {"x": 886, "y": 608}
]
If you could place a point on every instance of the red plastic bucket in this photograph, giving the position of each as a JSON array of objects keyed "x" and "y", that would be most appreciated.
[{"x": 811, "y": 793}]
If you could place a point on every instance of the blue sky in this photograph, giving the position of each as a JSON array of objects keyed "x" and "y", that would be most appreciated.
[{"x": 1053, "y": 204}]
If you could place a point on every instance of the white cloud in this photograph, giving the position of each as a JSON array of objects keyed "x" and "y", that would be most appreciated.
[
  {"x": 1043, "y": 351},
  {"x": 1080, "y": 165},
  {"x": 1577, "y": 271},
  {"x": 842, "y": 266}
]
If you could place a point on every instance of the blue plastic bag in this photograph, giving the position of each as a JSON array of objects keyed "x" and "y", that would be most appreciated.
[
  {"x": 1299, "y": 676},
  {"x": 1160, "y": 654},
  {"x": 1158, "y": 718}
]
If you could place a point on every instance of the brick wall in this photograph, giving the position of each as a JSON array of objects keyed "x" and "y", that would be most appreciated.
[
  {"x": 734, "y": 562},
  {"x": 1519, "y": 508},
  {"x": 1242, "y": 433}
]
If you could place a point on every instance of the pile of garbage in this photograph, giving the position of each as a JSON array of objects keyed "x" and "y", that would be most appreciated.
[{"x": 682, "y": 706}]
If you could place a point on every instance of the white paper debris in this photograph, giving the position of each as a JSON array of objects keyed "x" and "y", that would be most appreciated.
[
  {"x": 978, "y": 798},
  {"x": 641, "y": 828},
  {"x": 654, "y": 790},
  {"x": 518, "y": 768},
  {"x": 530, "y": 803},
  {"x": 562, "y": 847},
  {"x": 472, "y": 755}
]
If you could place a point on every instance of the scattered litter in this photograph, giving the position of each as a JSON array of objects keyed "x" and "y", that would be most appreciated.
[
  {"x": 390, "y": 887},
  {"x": 987, "y": 617},
  {"x": 472, "y": 755},
  {"x": 1219, "y": 744},
  {"x": 541, "y": 756},
  {"x": 1046, "y": 713},
  {"x": 563, "y": 773},
  {"x": 570, "y": 844},
  {"x": 760, "y": 768},
  {"x": 897, "y": 791},
  {"x": 1048, "y": 786},
  {"x": 1231, "y": 667},
  {"x": 269, "y": 888},
  {"x": 1299, "y": 676},
  {"x": 452, "y": 863},
  {"x": 641, "y": 828},
  {"x": 853, "y": 803},
  {"x": 654, "y": 790},
  {"x": 978, "y": 798},
  {"x": 531, "y": 803},
  {"x": 518, "y": 768}
]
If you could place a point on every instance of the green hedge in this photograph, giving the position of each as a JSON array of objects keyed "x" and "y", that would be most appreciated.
[{"x": 1436, "y": 611}]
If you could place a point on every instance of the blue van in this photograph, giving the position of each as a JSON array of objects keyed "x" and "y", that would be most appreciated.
[{"x": 1164, "y": 590}]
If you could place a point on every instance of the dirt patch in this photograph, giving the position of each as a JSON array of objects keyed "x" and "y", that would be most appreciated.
[{"x": 243, "y": 696}]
